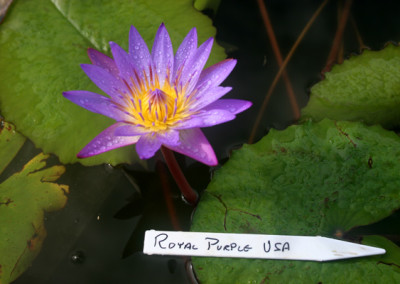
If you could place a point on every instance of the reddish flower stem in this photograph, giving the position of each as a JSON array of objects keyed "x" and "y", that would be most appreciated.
[
  {"x": 188, "y": 192},
  {"x": 163, "y": 172}
]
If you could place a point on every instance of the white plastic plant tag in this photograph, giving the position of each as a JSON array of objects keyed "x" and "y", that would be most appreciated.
[{"x": 253, "y": 246}]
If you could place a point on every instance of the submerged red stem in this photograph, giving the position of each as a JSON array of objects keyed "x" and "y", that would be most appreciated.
[
  {"x": 188, "y": 192},
  {"x": 167, "y": 195}
]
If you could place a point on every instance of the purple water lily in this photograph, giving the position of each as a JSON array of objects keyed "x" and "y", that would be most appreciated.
[{"x": 158, "y": 99}]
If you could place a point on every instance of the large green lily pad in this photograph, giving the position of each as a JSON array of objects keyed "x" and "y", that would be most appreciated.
[
  {"x": 10, "y": 143},
  {"x": 364, "y": 88},
  {"x": 24, "y": 197},
  {"x": 313, "y": 179},
  {"x": 43, "y": 42}
]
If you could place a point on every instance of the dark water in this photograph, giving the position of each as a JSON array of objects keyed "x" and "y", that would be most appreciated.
[{"x": 98, "y": 237}]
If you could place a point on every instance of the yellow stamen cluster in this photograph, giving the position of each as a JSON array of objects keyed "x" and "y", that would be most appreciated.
[{"x": 153, "y": 106}]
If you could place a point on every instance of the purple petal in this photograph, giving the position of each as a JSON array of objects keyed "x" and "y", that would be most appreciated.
[
  {"x": 96, "y": 103},
  {"x": 170, "y": 137},
  {"x": 185, "y": 51},
  {"x": 107, "y": 141},
  {"x": 207, "y": 97},
  {"x": 162, "y": 54},
  {"x": 130, "y": 130},
  {"x": 195, "y": 145},
  {"x": 231, "y": 105},
  {"x": 106, "y": 82},
  {"x": 206, "y": 119},
  {"x": 139, "y": 52},
  {"x": 123, "y": 61},
  {"x": 103, "y": 61},
  {"x": 147, "y": 146},
  {"x": 215, "y": 74},
  {"x": 194, "y": 65}
]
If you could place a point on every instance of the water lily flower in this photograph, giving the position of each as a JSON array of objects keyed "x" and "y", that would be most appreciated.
[{"x": 158, "y": 99}]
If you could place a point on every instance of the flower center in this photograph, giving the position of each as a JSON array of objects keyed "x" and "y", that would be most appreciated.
[
  {"x": 158, "y": 102},
  {"x": 157, "y": 108}
]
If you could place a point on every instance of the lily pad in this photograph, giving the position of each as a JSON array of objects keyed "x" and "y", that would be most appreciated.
[
  {"x": 207, "y": 4},
  {"x": 10, "y": 143},
  {"x": 42, "y": 44},
  {"x": 313, "y": 179},
  {"x": 24, "y": 197},
  {"x": 364, "y": 88}
]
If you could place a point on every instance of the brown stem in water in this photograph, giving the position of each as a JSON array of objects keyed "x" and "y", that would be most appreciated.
[
  {"x": 278, "y": 56},
  {"x": 281, "y": 69},
  {"x": 338, "y": 36},
  {"x": 188, "y": 192},
  {"x": 358, "y": 35}
]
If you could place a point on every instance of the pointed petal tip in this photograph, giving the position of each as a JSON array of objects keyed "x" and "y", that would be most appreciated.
[
  {"x": 192, "y": 33},
  {"x": 84, "y": 153},
  {"x": 246, "y": 105},
  {"x": 161, "y": 29},
  {"x": 89, "y": 50},
  {"x": 209, "y": 43},
  {"x": 213, "y": 162},
  {"x": 70, "y": 94},
  {"x": 233, "y": 61},
  {"x": 81, "y": 155},
  {"x": 85, "y": 65}
]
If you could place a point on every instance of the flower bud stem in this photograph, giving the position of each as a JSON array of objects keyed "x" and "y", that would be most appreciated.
[{"x": 189, "y": 194}]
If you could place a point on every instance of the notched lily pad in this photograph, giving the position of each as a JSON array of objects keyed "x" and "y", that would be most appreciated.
[
  {"x": 313, "y": 179},
  {"x": 10, "y": 143},
  {"x": 59, "y": 33},
  {"x": 24, "y": 197},
  {"x": 364, "y": 88}
]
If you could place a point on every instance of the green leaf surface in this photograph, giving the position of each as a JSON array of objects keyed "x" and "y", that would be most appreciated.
[
  {"x": 10, "y": 143},
  {"x": 207, "y": 4},
  {"x": 364, "y": 88},
  {"x": 24, "y": 197},
  {"x": 42, "y": 44},
  {"x": 313, "y": 179}
]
